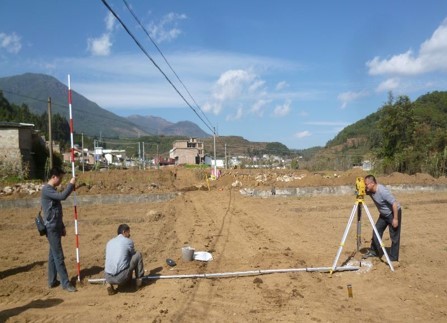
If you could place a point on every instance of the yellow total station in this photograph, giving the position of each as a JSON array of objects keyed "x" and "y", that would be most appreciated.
[{"x": 360, "y": 188}]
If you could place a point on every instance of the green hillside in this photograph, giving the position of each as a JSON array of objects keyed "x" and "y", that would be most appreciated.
[{"x": 403, "y": 136}]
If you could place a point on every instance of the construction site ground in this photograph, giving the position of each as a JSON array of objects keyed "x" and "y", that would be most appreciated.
[{"x": 243, "y": 233}]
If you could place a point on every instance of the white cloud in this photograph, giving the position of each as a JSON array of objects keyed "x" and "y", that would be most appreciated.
[
  {"x": 238, "y": 115},
  {"x": 258, "y": 107},
  {"x": 100, "y": 46},
  {"x": 347, "y": 97},
  {"x": 122, "y": 95},
  {"x": 232, "y": 84},
  {"x": 236, "y": 87},
  {"x": 431, "y": 57},
  {"x": 281, "y": 86},
  {"x": 213, "y": 107},
  {"x": 256, "y": 85},
  {"x": 11, "y": 43},
  {"x": 303, "y": 134},
  {"x": 388, "y": 85},
  {"x": 110, "y": 22},
  {"x": 134, "y": 83},
  {"x": 167, "y": 29},
  {"x": 282, "y": 110}
]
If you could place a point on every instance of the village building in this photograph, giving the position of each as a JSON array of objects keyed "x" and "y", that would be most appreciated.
[
  {"x": 16, "y": 147},
  {"x": 187, "y": 152}
]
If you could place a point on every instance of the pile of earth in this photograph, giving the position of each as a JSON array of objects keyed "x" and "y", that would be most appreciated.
[{"x": 172, "y": 179}]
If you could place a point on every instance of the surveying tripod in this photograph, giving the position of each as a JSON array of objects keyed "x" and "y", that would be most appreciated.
[{"x": 359, "y": 202}]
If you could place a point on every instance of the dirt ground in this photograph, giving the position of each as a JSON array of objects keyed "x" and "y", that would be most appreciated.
[{"x": 243, "y": 234}]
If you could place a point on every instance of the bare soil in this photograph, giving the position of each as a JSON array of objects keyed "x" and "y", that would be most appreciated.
[{"x": 243, "y": 234}]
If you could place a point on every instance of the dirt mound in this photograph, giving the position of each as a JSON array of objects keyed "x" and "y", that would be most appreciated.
[{"x": 171, "y": 179}]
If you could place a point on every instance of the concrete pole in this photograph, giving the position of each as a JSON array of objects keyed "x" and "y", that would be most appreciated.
[
  {"x": 50, "y": 131},
  {"x": 139, "y": 155},
  {"x": 226, "y": 161},
  {"x": 215, "y": 161},
  {"x": 144, "y": 158},
  {"x": 82, "y": 154}
]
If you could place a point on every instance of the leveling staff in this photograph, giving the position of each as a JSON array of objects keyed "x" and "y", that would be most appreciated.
[{"x": 390, "y": 216}]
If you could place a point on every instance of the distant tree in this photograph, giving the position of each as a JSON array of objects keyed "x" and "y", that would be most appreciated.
[
  {"x": 276, "y": 148},
  {"x": 6, "y": 111},
  {"x": 396, "y": 127},
  {"x": 294, "y": 164},
  {"x": 59, "y": 126}
]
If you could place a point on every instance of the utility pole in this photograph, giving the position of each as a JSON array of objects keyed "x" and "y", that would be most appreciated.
[
  {"x": 50, "y": 131},
  {"x": 158, "y": 159},
  {"x": 215, "y": 161},
  {"x": 144, "y": 158},
  {"x": 94, "y": 153},
  {"x": 139, "y": 155},
  {"x": 82, "y": 154},
  {"x": 226, "y": 160}
]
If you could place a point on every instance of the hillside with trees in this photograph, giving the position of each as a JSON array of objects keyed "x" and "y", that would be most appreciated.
[
  {"x": 22, "y": 114},
  {"x": 402, "y": 136}
]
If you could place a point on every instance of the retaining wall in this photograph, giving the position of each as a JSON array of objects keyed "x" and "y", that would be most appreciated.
[
  {"x": 339, "y": 190},
  {"x": 279, "y": 192},
  {"x": 93, "y": 199}
]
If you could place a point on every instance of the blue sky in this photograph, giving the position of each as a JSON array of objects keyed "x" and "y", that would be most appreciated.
[{"x": 291, "y": 71}]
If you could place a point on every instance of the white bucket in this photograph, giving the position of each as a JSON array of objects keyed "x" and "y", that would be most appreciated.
[{"x": 188, "y": 253}]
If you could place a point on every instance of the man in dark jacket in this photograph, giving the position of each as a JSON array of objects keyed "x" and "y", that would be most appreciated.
[{"x": 53, "y": 220}]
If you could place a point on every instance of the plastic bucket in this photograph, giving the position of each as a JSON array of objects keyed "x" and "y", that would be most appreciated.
[{"x": 188, "y": 253}]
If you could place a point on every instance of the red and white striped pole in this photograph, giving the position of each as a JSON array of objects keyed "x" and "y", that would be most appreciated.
[{"x": 72, "y": 157}]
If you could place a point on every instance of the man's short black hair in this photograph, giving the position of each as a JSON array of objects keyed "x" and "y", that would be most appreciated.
[
  {"x": 123, "y": 227},
  {"x": 56, "y": 171},
  {"x": 371, "y": 178}
]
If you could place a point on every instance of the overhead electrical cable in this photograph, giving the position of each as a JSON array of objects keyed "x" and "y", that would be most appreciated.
[
  {"x": 165, "y": 59},
  {"x": 35, "y": 99},
  {"x": 153, "y": 62},
  {"x": 62, "y": 105}
]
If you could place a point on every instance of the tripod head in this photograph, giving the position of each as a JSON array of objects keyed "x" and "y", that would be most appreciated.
[{"x": 360, "y": 188}]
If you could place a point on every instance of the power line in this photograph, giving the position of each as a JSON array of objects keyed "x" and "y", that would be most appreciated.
[
  {"x": 153, "y": 62},
  {"x": 35, "y": 99},
  {"x": 90, "y": 113},
  {"x": 165, "y": 59}
]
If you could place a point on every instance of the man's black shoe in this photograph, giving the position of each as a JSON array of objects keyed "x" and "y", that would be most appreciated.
[
  {"x": 54, "y": 284},
  {"x": 369, "y": 254},
  {"x": 70, "y": 288}
]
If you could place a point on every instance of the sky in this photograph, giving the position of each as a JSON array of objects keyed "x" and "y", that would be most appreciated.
[{"x": 295, "y": 72}]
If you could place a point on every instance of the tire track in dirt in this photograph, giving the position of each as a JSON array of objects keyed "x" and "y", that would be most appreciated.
[
  {"x": 240, "y": 230},
  {"x": 209, "y": 225}
]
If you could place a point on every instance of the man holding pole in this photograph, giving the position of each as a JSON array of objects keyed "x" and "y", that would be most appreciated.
[
  {"x": 390, "y": 216},
  {"x": 52, "y": 210},
  {"x": 122, "y": 260}
]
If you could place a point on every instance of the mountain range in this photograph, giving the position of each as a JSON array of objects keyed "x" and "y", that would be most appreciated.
[{"x": 34, "y": 90}]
